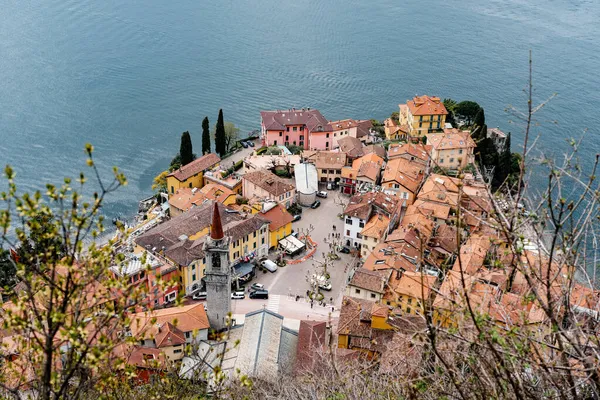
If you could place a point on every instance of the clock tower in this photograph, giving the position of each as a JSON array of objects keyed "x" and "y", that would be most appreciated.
[{"x": 217, "y": 274}]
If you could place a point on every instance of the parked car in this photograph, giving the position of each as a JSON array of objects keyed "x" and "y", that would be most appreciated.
[
  {"x": 199, "y": 296},
  {"x": 322, "y": 194},
  {"x": 345, "y": 250},
  {"x": 269, "y": 265},
  {"x": 259, "y": 294},
  {"x": 244, "y": 145},
  {"x": 238, "y": 295},
  {"x": 257, "y": 286},
  {"x": 329, "y": 186},
  {"x": 297, "y": 217},
  {"x": 316, "y": 204},
  {"x": 250, "y": 143},
  {"x": 325, "y": 286}
]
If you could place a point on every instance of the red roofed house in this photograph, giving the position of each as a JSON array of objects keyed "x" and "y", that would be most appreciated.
[
  {"x": 192, "y": 174},
  {"x": 422, "y": 115},
  {"x": 280, "y": 223},
  {"x": 293, "y": 127}
]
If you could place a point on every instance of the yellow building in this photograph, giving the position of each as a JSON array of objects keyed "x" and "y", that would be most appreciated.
[
  {"x": 192, "y": 174},
  {"x": 280, "y": 223},
  {"x": 422, "y": 115},
  {"x": 409, "y": 292},
  {"x": 452, "y": 149}
]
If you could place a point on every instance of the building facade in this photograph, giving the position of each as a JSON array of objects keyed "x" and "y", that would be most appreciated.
[
  {"x": 422, "y": 115},
  {"x": 192, "y": 174},
  {"x": 265, "y": 185}
]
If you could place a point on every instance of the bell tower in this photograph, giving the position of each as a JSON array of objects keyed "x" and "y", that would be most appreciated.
[{"x": 217, "y": 274}]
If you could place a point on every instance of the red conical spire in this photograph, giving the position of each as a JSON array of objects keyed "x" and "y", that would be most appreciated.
[{"x": 216, "y": 229}]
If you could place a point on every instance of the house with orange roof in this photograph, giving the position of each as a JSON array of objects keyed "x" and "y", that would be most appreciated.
[
  {"x": 416, "y": 152},
  {"x": 364, "y": 170},
  {"x": 190, "y": 320},
  {"x": 403, "y": 178},
  {"x": 192, "y": 174},
  {"x": 394, "y": 131},
  {"x": 293, "y": 127},
  {"x": 265, "y": 185},
  {"x": 368, "y": 285},
  {"x": 374, "y": 232},
  {"x": 361, "y": 208},
  {"x": 186, "y": 198},
  {"x": 329, "y": 164},
  {"x": 452, "y": 149},
  {"x": 280, "y": 223},
  {"x": 409, "y": 291},
  {"x": 422, "y": 115},
  {"x": 399, "y": 257}
]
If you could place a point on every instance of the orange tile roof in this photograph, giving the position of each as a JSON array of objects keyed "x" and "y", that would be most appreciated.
[
  {"x": 451, "y": 139},
  {"x": 397, "y": 256},
  {"x": 326, "y": 159},
  {"x": 186, "y": 319},
  {"x": 406, "y": 173},
  {"x": 185, "y": 198},
  {"x": 425, "y": 105},
  {"x": 169, "y": 335},
  {"x": 361, "y": 205},
  {"x": 269, "y": 182},
  {"x": 199, "y": 165},
  {"x": 374, "y": 281},
  {"x": 412, "y": 284},
  {"x": 417, "y": 150},
  {"x": 436, "y": 210},
  {"x": 216, "y": 192},
  {"x": 376, "y": 226},
  {"x": 278, "y": 217}
]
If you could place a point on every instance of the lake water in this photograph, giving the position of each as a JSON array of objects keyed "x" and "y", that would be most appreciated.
[{"x": 130, "y": 76}]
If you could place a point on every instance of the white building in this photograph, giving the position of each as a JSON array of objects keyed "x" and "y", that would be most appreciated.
[{"x": 307, "y": 183}]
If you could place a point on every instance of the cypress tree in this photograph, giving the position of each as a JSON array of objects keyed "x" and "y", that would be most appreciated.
[
  {"x": 185, "y": 150},
  {"x": 505, "y": 161},
  {"x": 205, "y": 136},
  {"x": 220, "y": 135},
  {"x": 479, "y": 118}
]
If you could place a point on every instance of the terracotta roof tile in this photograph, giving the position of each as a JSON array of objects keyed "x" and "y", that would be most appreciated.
[
  {"x": 268, "y": 181},
  {"x": 425, "y": 105},
  {"x": 199, "y": 165},
  {"x": 278, "y": 120},
  {"x": 406, "y": 173},
  {"x": 374, "y": 281},
  {"x": 278, "y": 216}
]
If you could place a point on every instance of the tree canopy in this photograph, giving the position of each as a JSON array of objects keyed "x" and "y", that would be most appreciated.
[{"x": 467, "y": 110}]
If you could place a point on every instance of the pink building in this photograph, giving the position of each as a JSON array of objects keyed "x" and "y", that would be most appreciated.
[{"x": 292, "y": 127}]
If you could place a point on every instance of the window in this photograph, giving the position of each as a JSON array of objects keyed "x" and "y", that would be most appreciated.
[
  {"x": 288, "y": 194},
  {"x": 193, "y": 277},
  {"x": 335, "y": 135},
  {"x": 439, "y": 119},
  {"x": 420, "y": 124},
  {"x": 280, "y": 134},
  {"x": 347, "y": 232},
  {"x": 338, "y": 172},
  {"x": 254, "y": 245},
  {"x": 373, "y": 295},
  {"x": 281, "y": 198},
  {"x": 410, "y": 300},
  {"x": 460, "y": 151},
  {"x": 295, "y": 129},
  {"x": 421, "y": 118},
  {"x": 430, "y": 125},
  {"x": 438, "y": 125},
  {"x": 326, "y": 144},
  {"x": 301, "y": 143},
  {"x": 301, "y": 128},
  {"x": 442, "y": 161},
  {"x": 187, "y": 335},
  {"x": 358, "y": 236},
  {"x": 349, "y": 221},
  {"x": 327, "y": 135},
  {"x": 287, "y": 128},
  {"x": 396, "y": 186},
  {"x": 262, "y": 241},
  {"x": 361, "y": 224},
  {"x": 451, "y": 159},
  {"x": 357, "y": 291},
  {"x": 408, "y": 310},
  {"x": 254, "y": 234},
  {"x": 287, "y": 143},
  {"x": 274, "y": 142},
  {"x": 331, "y": 171},
  {"x": 294, "y": 142},
  {"x": 172, "y": 190},
  {"x": 301, "y": 137},
  {"x": 190, "y": 185},
  {"x": 176, "y": 351},
  {"x": 287, "y": 138}
]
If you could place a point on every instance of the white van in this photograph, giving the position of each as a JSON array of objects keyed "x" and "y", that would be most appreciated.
[{"x": 269, "y": 265}]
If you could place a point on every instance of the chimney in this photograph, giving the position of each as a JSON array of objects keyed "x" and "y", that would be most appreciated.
[{"x": 216, "y": 229}]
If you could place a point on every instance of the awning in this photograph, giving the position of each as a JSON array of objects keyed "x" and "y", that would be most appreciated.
[{"x": 291, "y": 245}]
